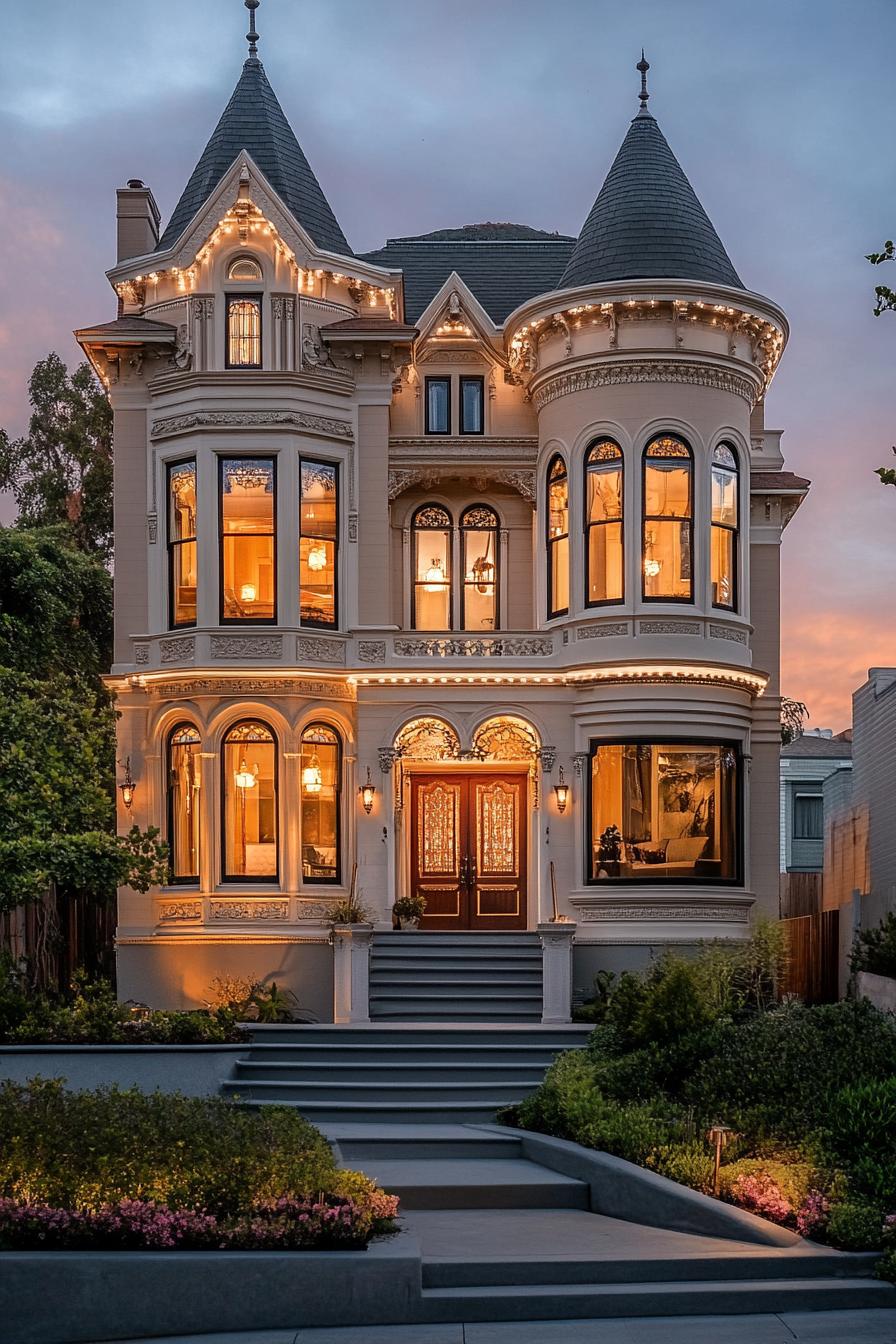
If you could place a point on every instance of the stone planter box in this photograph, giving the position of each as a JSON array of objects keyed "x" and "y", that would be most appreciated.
[
  {"x": 75, "y": 1297},
  {"x": 878, "y": 989},
  {"x": 194, "y": 1070}
]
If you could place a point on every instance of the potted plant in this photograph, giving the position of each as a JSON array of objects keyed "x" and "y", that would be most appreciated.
[
  {"x": 350, "y": 912},
  {"x": 408, "y": 910},
  {"x": 609, "y": 851}
]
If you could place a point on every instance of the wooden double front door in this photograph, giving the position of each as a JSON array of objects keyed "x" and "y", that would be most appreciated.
[{"x": 468, "y": 849}]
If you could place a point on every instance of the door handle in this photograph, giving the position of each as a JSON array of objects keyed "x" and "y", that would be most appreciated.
[{"x": 464, "y": 871}]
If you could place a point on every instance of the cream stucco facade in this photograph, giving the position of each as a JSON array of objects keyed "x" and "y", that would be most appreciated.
[{"x": 344, "y": 378}]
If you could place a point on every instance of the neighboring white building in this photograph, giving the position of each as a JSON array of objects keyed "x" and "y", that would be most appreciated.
[
  {"x": 488, "y": 518},
  {"x": 806, "y": 763},
  {"x": 860, "y": 813}
]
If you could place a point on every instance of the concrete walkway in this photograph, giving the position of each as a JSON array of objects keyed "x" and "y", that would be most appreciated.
[{"x": 813, "y": 1327}]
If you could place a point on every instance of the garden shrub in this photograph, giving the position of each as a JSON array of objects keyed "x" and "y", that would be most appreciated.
[
  {"x": 861, "y": 1129},
  {"x": 690, "y": 1164},
  {"x": 856, "y": 1225},
  {"x": 102, "y": 1165},
  {"x": 791, "y": 1178},
  {"x": 874, "y": 950}
]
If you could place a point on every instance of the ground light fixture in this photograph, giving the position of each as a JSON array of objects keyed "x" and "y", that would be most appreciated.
[
  {"x": 561, "y": 792},
  {"x": 718, "y": 1135},
  {"x": 127, "y": 786},
  {"x": 367, "y": 792}
]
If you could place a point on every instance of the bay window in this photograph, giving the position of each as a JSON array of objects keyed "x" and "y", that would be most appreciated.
[
  {"x": 664, "y": 812},
  {"x": 182, "y": 798},
  {"x": 432, "y": 533},
  {"x": 558, "y": 538},
  {"x": 724, "y": 527},
  {"x": 479, "y": 542},
  {"x": 248, "y": 510},
  {"x": 318, "y": 543},
  {"x": 603, "y": 524},
  {"x": 249, "y": 821},
  {"x": 667, "y": 558},
  {"x": 182, "y": 543},
  {"x": 321, "y": 779}
]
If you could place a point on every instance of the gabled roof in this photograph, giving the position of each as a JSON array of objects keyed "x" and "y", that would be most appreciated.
[
  {"x": 502, "y": 264},
  {"x": 809, "y": 747},
  {"x": 253, "y": 120},
  {"x": 647, "y": 222}
]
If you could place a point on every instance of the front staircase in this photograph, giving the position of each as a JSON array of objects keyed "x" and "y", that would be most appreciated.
[
  {"x": 399, "y": 1072},
  {"x": 455, "y": 977}
]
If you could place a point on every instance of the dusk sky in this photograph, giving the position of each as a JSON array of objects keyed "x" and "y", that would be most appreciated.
[{"x": 418, "y": 114}]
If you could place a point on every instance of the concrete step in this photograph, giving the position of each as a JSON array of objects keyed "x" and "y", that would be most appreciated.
[
  {"x": 409, "y": 1011},
  {"x": 477, "y": 1183},
  {"x": 449, "y": 994},
  {"x": 495, "y": 1091},
  {"x": 465, "y": 939},
  {"x": 508, "y": 1072},
  {"x": 383, "y": 1113},
  {"x": 413, "y": 978},
  {"x": 533, "y": 1057},
  {"x": 379, "y": 1150},
  {"x": 559, "y": 1301},
  {"x": 425, "y": 1034}
]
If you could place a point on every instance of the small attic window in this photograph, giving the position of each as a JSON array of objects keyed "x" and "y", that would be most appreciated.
[{"x": 244, "y": 268}]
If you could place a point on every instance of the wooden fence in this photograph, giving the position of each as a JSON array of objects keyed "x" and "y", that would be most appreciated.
[
  {"x": 812, "y": 963},
  {"x": 800, "y": 894},
  {"x": 80, "y": 935}
]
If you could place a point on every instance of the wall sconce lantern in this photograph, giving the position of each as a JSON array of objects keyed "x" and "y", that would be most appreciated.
[
  {"x": 561, "y": 793},
  {"x": 128, "y": 786},
  {"x": 366, "y": 793}
]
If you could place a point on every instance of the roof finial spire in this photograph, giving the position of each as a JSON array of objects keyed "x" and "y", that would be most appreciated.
[
  {"x": 643, "y": 66},
  {"x": 252, "y": 35}
]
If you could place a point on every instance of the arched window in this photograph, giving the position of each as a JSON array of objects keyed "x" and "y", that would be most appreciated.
[
  {"x": 479, "y": 542},
  {"x": 243, "y": 331},
  {"x": 321, "y": 778},
  {"x": 182, "y": 567},
  {"x": 558, "y": 538},
  {"x": 244, "y": 268},
  {"x": 723, "y": 540},
  {"x": 667, "y": 544},
  {"x": 249, "y": 786},
  {"x": 432, "y": 529},
  {"x": 603, "y": 523},
  {"x": 183, "y": 803},
  {"x": 318, "y": 542}
]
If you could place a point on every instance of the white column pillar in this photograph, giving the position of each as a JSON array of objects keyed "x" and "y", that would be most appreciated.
[
  {"x": 351, "y": 972},
  {"x": 556, "y": 963}
]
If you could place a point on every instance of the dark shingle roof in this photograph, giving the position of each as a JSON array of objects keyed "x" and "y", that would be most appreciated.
[
  {"x": 807, "y": 747},
  {"x": 647, "y": 222},
  {"x": 128, "y": 328},
  {"x": 254, "y": 121},
  {"x": 503, "y": 264}
]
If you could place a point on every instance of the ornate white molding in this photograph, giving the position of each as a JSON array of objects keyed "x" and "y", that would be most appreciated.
[
  {"x": 404, "y": 478},
  {"x": 608, "y": 630},
  {"x": 177, "y": 650},
  {"x": 371, "y": 650},
  {"x": 247, "y": 646},
  {"x": 312, "y": 424},
  {"x": 310, "y": 649},
  {"x": 141, "y": 654},
  {"x": 262, "y": 686},
  {"x": 176, "y": 912},
  {"x": 728, "y": 632},
  {"x": 614, "y": 911},
  {"x": 254, "y": 910},
  {"x": 315, "y": 910},
  {"x": 695, "y": 374},
  {"x": 460, "y": 647},
  {"x": 668, "y": 627}
]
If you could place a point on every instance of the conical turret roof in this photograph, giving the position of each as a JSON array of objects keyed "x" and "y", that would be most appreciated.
[
  {"x": 254, "y": 121},
  {"x": 647, "y": 222}
]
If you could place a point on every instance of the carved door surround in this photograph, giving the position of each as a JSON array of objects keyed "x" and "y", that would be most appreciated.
[{"x": 468, "y": 848}]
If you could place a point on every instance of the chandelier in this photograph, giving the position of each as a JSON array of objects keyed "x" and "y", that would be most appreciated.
[
  {"x": 434, "y": 576},
  {"x": 246, "y": 778},
  {"x": 317, "y": 557},
  {"x": 312, "y": 775}
]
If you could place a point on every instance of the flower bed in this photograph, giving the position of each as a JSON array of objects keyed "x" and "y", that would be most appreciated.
[
  {"x": 808, "y": 1094},
  {"x": 122, "y": 1170}
]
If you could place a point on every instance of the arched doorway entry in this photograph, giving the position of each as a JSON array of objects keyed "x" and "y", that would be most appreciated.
[{"x": 467, "y": 844}]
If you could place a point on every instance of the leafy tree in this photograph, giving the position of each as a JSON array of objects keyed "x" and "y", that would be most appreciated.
[
  {"x": 793, "y": 714},
  {"x": 886, "y": 303},
  {"x": 55, "y": 605},
  {"x": 60, "y": 472}
]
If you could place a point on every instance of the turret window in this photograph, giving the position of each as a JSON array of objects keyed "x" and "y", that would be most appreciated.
[
  {"x": 603, "y": 523},
  {"x": 182, "y": 543},
  {"x": 558, "y": 538},
  {"x": 432, "y": 532},
  {"x": 321, "y": 778},
  {"x": 318, "y": 543},
  {"x": 667, "y": 556},
  {"x": 244, "y": 331},
  {"x": 249, "y": 823},
  {"x": 479, "y": 540},
  {"x": 248, "y": 500},
  {"x": 724, "y": 529}
]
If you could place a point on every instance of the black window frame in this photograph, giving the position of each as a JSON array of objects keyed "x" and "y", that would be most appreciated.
[
  {"x": 734, "y": 604},
  {"x": 171, "y": 543},
  {"x": 698, "y": 744},
  {"x": 495, "y": 529},
  {"x": 590, "y": 467},
  {"x": 322, "y": 462},
  {"x": 550, "y": 542},
  {"x": 335, "y": 881},
  {"x": 665, "y": 518},
  {"x": 246, "y": 879},
  {"x": 257, "y": 298},
  {"x": 427, "y": 382},
  {"x": 476, "y": 380},
  {"x": 416, "y": 531},
  {"x": 173, "y": 880},
  {"x": 242, "y": 620}
]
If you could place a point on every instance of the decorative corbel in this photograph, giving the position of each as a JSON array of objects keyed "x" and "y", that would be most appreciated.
[
  {"x": 578, "y": 761},
  {"x": 547, "y": 757}
]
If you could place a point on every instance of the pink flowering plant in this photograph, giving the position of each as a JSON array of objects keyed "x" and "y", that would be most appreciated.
[{"x": 124, "y": 1170}]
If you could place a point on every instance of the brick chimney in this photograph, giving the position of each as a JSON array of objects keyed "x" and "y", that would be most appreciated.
[{"x": 138, "y": 220}]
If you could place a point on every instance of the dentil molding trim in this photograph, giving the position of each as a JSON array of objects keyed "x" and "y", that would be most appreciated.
[
  {"x": 645, "y": 371},
  {"x": 313, "y": 424}
]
